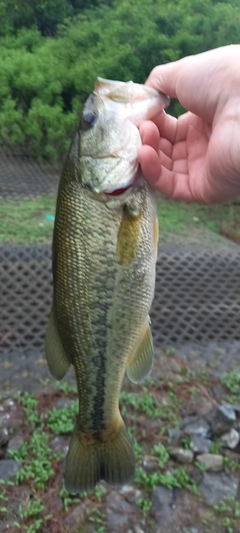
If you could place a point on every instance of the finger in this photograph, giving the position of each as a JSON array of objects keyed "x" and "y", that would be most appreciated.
[
  {"x": 150, "y": 134},
  {"x": 167, "y": 126},
  {"x": 165, "y": 146},
  {"x": 174, "y": 185},
  {"x": 196, "y": 81},
  {"x": 150, "y": 163}
]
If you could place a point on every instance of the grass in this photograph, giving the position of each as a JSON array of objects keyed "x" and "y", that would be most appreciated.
[
  {"x": 23, "y": 221},
  {"x": 177, "y": 217}
]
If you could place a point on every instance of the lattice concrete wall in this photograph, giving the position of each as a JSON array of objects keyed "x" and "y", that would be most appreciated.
[
  {"x": 197, "y": 296},
  {"x": 24, "y": 177}
]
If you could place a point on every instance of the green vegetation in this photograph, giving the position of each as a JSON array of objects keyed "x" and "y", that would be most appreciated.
[
  {"x": 23, "y": 221},
  {"x": 176, "y": 478},
  {"x": 178, "y": 217},
  {"x": 61, "y": 421},
  {"x": 231, "y": 380},
  {"x": 51, "y": 53}
]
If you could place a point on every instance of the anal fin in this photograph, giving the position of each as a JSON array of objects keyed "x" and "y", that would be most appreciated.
[
  {"x": 57, "y": 360},
  {"x": 141, "y": 361}
]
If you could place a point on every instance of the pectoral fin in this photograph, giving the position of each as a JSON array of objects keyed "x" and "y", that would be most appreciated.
[
  {"x": 57, "y": 360},
  {"x": 140, "y": 363}
]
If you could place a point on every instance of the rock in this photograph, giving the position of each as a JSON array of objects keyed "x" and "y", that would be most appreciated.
[
  {"x": 64, "y": 402},
  {"x": 150, "y": 463},
  {"x": 200, "y": 444},
  {"x": 131, "y": 494},
  {"x": 162, "y": 506},
  {"x": 119, "y": 515},
  {"x": 76, "y": 517},
  {"x": 212, "y": 462},
  {"x": 221, "y": 419},
  {"x": 137, "y": 529},
  {"x": 58, "y": 504},
  {"x": 20, "y": 497},
  {"x": 175, "y": 436},
  {"x": 60, "y": 444},
  {"x": 195, "y": 474},
  {"x": 196, "y": 426},
  {"x": 5, "y": 527},
  {"x": 15, "y": 443},
  {"x": 181, "y": 455},
  {"x": 231, "y": 439},
  {"x": 9, "y": 469},
  {"x": 215, "y": 487}
]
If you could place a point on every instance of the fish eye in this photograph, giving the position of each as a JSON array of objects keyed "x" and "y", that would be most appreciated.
[{"x": 88, "y": 119}]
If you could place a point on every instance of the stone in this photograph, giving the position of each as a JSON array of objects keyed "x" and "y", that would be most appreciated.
[
  {"x": 5, "y": 527},
  {"x": 64, "y": 402},
  {"x": 181, "y": 455},
  {"x": 211, "y": 462},
  {"x": 9, "y": 469},
  {"x": 131, "y": 494},
  {"x": 137, "y": 529},
  {"x": 196, "y": 426},
  {"x": 221, "y": 419},
  {"x": 200, "y": 444},
  {"x": 231, "y": 439},
  {"x": 119, "y": 515},
  {"x": 76, "y": 517},
  {"x": 15, "y": 443},
  {"x": 60, "y": 444},
  {"x": 58, "y": 504},
  {"x": 215, "y": 487},
  {"x": 162, "y": 506},
  {"x": 150, "y": 463}
]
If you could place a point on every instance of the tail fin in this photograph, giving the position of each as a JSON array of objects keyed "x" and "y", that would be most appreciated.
[{"x": 89, "y": 462}]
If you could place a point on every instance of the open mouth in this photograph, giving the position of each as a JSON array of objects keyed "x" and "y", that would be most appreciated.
[{"x": 118, "y": 192}]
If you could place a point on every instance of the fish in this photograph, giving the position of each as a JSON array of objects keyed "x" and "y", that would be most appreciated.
[{"x": 104, "y": 252}]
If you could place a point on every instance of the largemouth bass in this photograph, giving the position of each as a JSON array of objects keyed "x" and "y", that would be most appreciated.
[{"x": 104, "y": 253}]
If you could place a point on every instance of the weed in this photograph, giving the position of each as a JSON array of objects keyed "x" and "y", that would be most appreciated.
[
  {"x": 170, "y": 351},
  {"x": 97, "y": 517},
  {"x": 67, "y": 498},
  {"x": 34, "y": 506},
  {"x": 29, "y": 403},
  {"x": 215, "y": 447},
  {"x": 145, "y": 504},
  {"x": 100, "y": 492},
  {"x": 186, "y": 441},
  {"x": 66, "y": 387},
  {"x": 200, "y": 466},
  {"x": 61, "y": 421},
  {"x": 37, "y": 457},
  {"x": 163, "y": 456},
  {"x": 231, "y": 380},
  {"x": 231, "y": 463},
  {"x": 229, "y": 510},
  {"x": 178, "y": 478}
]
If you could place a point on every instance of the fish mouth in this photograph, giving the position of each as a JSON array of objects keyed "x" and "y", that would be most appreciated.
[{"x": 118, "y": 192}]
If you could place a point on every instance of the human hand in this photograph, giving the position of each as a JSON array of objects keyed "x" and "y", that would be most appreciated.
[{"x": 197, "y": 156}]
